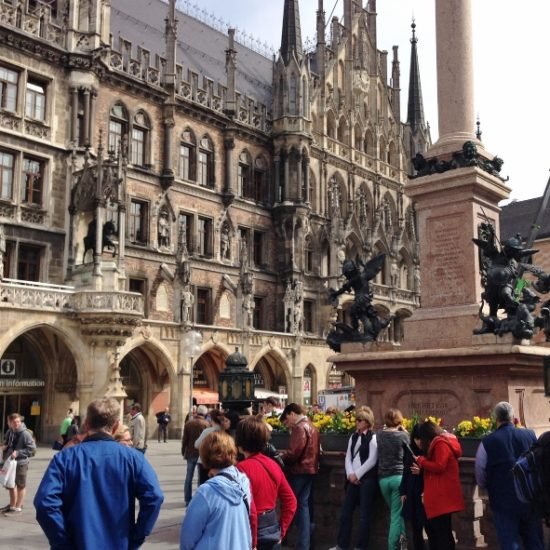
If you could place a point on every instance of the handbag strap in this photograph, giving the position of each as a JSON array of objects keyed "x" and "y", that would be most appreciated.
[
  {"x": 231, "y": 478},
  {"x": 268, "y": 472}
]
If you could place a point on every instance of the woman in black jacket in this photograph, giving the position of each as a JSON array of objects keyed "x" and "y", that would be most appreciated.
[{"x": 411, "y": 489}]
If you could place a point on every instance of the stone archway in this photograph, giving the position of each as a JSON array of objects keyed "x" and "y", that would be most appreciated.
[
  {"x": 271, "y": 377},
  {"x": 38, "y": 379},
  {"x": 146, "y": 374},
  {"x": 206, "y": 375}
]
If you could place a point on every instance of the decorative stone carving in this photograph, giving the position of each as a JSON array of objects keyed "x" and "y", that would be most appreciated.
[
  {"x": 32, "y": 215},
  {"x": 7, "y": 120},
  {"x": 37, "y": 130}
]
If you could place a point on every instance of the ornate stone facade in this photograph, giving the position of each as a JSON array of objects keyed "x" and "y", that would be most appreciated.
[{"x": 145, "y": 198}]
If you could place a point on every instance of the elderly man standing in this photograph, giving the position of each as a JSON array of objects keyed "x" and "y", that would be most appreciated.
[
  {"x": 497, "y": 453},
  {"x": 87, "y": 497},
  {"x": 137, "y": 428},
  {"x": 302, "y": 462}
]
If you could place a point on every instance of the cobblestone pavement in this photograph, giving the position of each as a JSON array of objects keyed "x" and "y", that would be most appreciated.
[{"x": 24, "y": 533}]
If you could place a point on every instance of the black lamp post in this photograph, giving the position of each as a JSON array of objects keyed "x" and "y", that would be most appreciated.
[
  {"x": 236, "y": 386},
  {"x": 546, "y": 370}
]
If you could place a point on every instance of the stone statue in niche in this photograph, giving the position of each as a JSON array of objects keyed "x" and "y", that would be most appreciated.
[
  {"x": 187, "y": 303},
  {"x": 225, "y": 242},
  {"x": 417, "y": 279},
  {"x": 164, "y": 229},
  {"x": 335, "y": 208},
  {"x": 248, "y": 309},
  {"x": 366, "y": 323},
  {"x": 394, "y": 274}
]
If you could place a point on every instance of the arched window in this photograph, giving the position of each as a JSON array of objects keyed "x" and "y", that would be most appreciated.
[
  {"x": 141, "y": 140},
  {"x": 308, "y": 255},
  {"x": 331, "y": 125},
  {"x": 244, "y": 176},
  {"x": 293, "y": 96},
  {"x": 260, "y": 180},
  {"x": 205, "y": 163},
  {"x": 187, "y": 162},
  {"x": 343, "y": 130},
  {"x": 281, "y": 97},
  {"x": 304, "y": 97},
  {"x": 118, "y": 127},
  {"x": 358, "y": 138}
]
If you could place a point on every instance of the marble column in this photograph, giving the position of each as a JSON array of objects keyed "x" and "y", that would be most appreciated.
[{"x": 455, "y": 75}]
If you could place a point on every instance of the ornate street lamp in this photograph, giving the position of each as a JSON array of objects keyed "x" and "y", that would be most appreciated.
[{"x": 236, "y": 386}]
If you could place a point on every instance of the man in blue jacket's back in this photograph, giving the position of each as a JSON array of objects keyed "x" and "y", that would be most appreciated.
[{"x": 87, "y": 496}]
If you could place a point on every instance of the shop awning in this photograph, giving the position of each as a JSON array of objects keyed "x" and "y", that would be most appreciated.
[
  {"x": 264, "y": 394},
  {"x": 206, "y": 397}
]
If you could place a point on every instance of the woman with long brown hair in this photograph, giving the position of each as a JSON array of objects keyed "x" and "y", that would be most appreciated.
[{"x": 442, "y": 489}]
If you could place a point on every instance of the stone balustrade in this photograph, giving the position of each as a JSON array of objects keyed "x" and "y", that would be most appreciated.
[
  {"x": 91, "y": 301},
  {"x": 36, "y": 296},
  {"x": 46, "y": 297}
]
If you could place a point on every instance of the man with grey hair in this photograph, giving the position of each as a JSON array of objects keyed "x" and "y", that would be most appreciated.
[
  {"x": 496, "y": 454},
  {"x": 87, "y": 497}
]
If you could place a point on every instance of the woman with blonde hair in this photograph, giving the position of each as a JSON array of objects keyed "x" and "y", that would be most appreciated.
[
  {"x": 361, "y": 480},
  {"x": 218, "y": 514},
  {"x": 390, "y": 471},
  {"x": 123, "y": 436}
]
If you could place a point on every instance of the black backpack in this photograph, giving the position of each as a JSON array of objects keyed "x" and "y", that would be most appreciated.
[{"x": 532, "y": 477}]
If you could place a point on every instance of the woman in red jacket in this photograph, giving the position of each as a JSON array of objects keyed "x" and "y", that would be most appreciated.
[
  {"x": 268, "y": 484},
  {"x": 442, "y": 490}
]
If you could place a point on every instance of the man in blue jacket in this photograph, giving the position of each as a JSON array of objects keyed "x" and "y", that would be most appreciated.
[
  {"x": 86, "y": 498},
  {"x": 496, "y": 454}
]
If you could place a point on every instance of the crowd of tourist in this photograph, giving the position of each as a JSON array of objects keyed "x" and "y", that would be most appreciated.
[{"x": 250, "y": 494}]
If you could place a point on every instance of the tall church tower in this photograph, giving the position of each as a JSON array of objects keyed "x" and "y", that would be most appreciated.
[
  {"x": 418, "y": 134},
  {"x": 292, "y": 140}
]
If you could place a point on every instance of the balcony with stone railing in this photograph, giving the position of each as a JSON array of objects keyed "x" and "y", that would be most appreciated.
[
  {"x": 16, "y": 294},
  {"x": 34, "y": 296}
]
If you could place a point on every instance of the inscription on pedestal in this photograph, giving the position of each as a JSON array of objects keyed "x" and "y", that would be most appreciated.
[
  {"x": 442, "y": 404},
  {"x": 446, "y": 274}
]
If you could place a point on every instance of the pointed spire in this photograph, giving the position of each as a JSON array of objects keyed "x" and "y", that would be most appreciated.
[
  {"x": 291, "y": 39},
  {"x": 415, "y": 112},
  {"x": 171, "y": 37}
]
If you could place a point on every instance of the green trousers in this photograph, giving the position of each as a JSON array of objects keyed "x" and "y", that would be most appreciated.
[{"x": 390, "y": 491}]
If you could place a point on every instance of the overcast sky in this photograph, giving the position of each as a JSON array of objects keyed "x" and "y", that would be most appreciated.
[{"x": 512, "y": 72}]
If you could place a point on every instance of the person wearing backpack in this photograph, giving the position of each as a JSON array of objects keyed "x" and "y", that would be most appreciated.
[{"x": 515, "y": 522}]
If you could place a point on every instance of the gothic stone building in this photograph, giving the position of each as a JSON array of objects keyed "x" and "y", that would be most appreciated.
[{"x": 159, "y": 178}]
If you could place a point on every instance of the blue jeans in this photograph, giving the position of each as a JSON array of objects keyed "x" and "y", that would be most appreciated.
[
  {"x": 301, "y": 486},
  {"x": 520, "y": 525},
  {"x": 363, "y": 495},
  {"x": 188, "y": 487}
]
